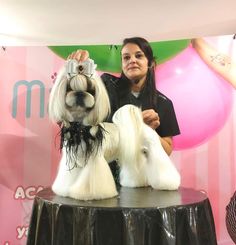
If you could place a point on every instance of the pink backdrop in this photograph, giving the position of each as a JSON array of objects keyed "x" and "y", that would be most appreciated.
[{"x": 29, "y": 146}]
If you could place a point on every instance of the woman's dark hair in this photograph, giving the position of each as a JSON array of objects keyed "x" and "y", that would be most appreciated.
[
  {"x": 144, "y": 46},
  {"x": 150, "y": 83}
]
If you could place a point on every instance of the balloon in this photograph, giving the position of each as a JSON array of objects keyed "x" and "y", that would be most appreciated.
[
  {"x": 202, "y": 99},
  {"x": 108, "y": 58}
]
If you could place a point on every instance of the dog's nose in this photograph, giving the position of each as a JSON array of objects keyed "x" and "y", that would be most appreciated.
[
  {"x": 80, "y": 97},
  {"x": 84, "y": 99}
]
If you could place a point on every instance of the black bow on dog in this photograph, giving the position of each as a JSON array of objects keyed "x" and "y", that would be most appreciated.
[{"x": 75, "y": 134}]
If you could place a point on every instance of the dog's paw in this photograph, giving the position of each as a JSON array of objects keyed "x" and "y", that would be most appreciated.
[
  {"x": 130, "y": 177},
  {"x": 166, "y": 182},
  {"x": 60, "y": 190},
  {"x": 85, "y": 194}
]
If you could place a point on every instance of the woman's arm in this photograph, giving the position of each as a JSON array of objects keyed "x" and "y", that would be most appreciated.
[
  {"x": 151, "y": 118},
  {"x": 220, "y": 63},
  {"x": 166, "y": 143}
]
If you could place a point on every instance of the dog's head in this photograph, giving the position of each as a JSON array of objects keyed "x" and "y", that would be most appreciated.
[{"x": 78, "y": 99}]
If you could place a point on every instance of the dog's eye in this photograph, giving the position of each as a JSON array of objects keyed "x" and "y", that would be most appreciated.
[{"x": 145, "y": 151}]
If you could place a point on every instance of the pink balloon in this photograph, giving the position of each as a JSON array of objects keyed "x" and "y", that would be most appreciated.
[{"x": 202, "y": 99}]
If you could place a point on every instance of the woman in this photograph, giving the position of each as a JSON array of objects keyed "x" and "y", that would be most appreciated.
[{"x": 136, "y": 85}]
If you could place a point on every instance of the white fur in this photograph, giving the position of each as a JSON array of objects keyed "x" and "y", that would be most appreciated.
[
  {"x": 135, "y": 145},
  {"x": 161, "y": 172}
]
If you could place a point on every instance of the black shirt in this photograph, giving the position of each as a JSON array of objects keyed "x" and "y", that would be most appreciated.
[{"x": 162, "y": 105}]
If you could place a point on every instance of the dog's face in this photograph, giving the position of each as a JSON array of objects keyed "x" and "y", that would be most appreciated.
[{"x": 78, "y": 99}]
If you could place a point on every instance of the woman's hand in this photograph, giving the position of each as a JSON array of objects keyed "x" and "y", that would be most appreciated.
[
  {"x": 151, "y": 118},
  {"x": 79, "y": 55}
]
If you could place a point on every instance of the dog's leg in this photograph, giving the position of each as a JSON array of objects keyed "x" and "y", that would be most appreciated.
[
  {"x": 129, "y": 121},
  {"x": 65, "y": 178},
  {"x": 110, "y": 142},
  {"x": 95, "y": 181},
  {"x": 130, "y": 175},
  {"x": 161, "y": 172}
]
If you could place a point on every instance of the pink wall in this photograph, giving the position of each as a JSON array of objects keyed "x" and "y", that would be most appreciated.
[{"x": 29, "y": 147}]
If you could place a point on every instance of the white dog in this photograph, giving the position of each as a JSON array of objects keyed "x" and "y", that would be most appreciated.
[{"x": 80, "y": 102}]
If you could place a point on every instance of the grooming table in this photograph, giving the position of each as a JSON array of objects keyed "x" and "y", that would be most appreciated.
[{"x": 138, "y": 216}]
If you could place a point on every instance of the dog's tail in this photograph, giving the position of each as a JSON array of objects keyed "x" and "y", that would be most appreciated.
[{"x": 130, "y": 123}]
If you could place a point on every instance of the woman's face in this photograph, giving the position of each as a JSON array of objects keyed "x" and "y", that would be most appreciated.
[{"x": 134, "y": 62}]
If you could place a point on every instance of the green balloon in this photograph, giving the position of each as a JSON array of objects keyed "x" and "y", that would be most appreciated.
[{"x": 108, "y": 58}]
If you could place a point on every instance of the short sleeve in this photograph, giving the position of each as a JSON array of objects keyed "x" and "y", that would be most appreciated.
[{"x": 168, "y": 121}]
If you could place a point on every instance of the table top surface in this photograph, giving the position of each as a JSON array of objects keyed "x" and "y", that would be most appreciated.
[{"x": 132, "y": 198}]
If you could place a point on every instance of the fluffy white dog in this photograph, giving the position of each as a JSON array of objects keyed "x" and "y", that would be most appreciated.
[{"x": 80, "y": 102}]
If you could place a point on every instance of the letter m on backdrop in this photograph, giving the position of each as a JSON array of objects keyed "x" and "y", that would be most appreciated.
[{"x": 29, "y": 86}]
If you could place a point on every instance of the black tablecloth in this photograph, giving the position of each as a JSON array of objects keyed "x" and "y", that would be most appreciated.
[{"x": 138, "y": 216}]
